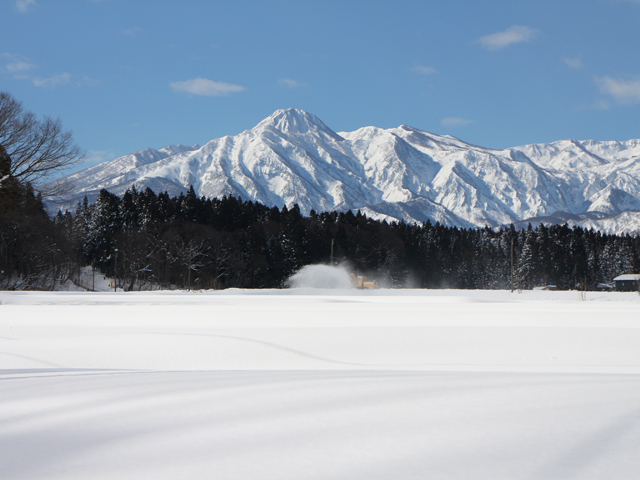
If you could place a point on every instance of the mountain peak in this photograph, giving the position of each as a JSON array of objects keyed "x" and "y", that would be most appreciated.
[{"x": 295, "y": 120}]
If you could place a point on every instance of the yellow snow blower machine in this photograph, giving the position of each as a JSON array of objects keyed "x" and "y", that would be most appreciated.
[{"x": 361, "y": 282}]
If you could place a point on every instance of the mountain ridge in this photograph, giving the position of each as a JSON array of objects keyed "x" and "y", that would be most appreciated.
[{"x": 399, "y": 173}]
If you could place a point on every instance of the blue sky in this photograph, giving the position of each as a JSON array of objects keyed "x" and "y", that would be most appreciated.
[{"x": 125, "y": 74}]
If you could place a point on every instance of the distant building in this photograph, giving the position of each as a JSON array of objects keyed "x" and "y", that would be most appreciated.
[
  {"x": 627, "y": 283},
  {"x": 605, "y": 287},
  {"x": 546, "y": 287}
]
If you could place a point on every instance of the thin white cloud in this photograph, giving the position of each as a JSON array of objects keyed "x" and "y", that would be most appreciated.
[
  {"x": 511, "y": 36},
  {"x": 206, "y": 87},
  {"x": 132, "y": 32},
  {"x": 623, "y": 91},
  {"x": 86, "y": 81},
  {"x": 53, "y": 81},
  {"x": 290, "y": 83},
  {"x": 94, "y": 157},
  {"x": 454, "y": 122},
  {"x": 423, "y": 69},
  {"x": 19, "y": 67},
  {"x": 14, "y": 57},
  {"x": 575, "y": 62},
  {"x": 23, "y": 5},
  {"x": 599, "y": 104}
]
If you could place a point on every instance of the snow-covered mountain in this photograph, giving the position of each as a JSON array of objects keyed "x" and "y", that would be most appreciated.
[{"x": 397, "y": 173}]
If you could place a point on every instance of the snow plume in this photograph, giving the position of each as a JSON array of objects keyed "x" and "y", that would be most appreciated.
[{"x": 320, "y": 276}]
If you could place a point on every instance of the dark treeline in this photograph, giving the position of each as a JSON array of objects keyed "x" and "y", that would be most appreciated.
[
  {"x": 155, "y": 241},
  {"x": 34, "y": 253}
]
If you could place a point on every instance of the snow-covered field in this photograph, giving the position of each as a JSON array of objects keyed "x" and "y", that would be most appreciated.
[{"x": 319, "y": 384}]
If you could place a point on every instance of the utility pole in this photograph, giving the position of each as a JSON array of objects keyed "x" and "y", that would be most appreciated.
[
  {"x": 511, "y": 265},
  {"x": 332, "y": 252},
  {"x": 115, "y": 272}
]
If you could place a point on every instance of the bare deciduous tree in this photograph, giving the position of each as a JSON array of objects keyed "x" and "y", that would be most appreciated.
[
  {"x": 38, "y": 148},
  {"x": 191, "y": 254}
]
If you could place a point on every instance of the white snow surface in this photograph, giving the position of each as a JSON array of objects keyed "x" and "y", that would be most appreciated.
[
  {"x": 395, "y": 174},
  {"x": 320, "y": 384}
]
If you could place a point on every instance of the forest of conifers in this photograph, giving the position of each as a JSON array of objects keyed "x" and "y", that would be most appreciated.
[{"x": 152, "y": 241}]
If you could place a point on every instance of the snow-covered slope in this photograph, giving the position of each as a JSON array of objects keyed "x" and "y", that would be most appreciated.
[
  {"x": 398, "y": 173},
  {"x": 120, "y": 174}
]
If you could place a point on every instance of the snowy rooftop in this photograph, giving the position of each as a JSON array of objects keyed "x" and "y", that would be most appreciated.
[{"x": 627, "y": 277}]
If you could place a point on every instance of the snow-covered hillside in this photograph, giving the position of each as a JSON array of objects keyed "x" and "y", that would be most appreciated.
[{"x": 398, "y": 173}]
